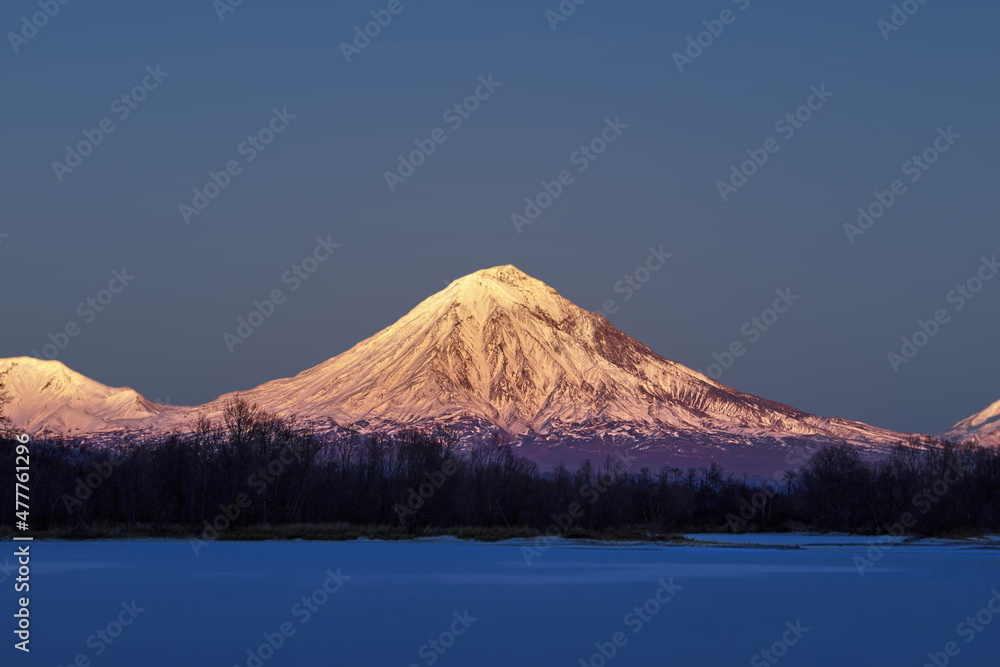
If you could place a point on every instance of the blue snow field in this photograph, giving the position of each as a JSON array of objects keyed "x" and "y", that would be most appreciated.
[{"x": 451, "y": 603}]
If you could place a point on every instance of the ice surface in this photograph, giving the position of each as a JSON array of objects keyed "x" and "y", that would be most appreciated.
[{"x": 733, "y": 602}]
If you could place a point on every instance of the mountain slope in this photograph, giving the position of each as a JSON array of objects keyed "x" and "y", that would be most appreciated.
[
  {"x": 49, "y": 397},
  {"x": 982, "y": 427},
  {"x": 501, "y": 347}
]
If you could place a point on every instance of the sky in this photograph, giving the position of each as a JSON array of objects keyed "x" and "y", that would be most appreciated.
[{"x": 609, "y": 116}]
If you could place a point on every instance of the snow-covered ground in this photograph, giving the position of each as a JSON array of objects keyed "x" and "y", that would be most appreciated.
[
  {"x": 834, "y": 539},
  {"x": 484, "y": 605}
]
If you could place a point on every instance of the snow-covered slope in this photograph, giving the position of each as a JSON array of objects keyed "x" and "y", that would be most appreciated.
[
  {"x": 982, "y": 427},
  {"x": 49, "y": 397},
  {"x": 501, "y": 347}
]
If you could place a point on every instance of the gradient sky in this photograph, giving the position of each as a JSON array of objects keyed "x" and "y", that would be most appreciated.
[{"x": 324, "y": 175}]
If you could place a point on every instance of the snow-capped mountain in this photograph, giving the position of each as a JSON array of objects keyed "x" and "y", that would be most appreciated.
[
  {"x": 982, "y": 428},
  {"x": 46, "y": 396},
  {"x": 495, "y": 352},
  {"x": 505, "y": 347}
]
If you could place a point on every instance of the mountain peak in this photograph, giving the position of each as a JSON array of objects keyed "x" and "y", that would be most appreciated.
[
  {"x": 498, "y": 288},
  {"x": 47, "y": 395},
  {"x": 983, "y": 427},
  {"x": 41, "y": 365},
  {"x": 507, "y": 273},
  {"x": 498, "y": 346}
]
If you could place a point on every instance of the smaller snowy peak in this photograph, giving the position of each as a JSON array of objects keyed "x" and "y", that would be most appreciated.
[
  {"x": 34, "y": 366},
  {"x": 46, "y": 395},
  {"x": 988, "y": 417},
  {"x": 982, "y": 427}
]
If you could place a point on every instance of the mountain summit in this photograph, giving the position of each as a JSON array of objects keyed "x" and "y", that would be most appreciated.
[{"x": 48, "y": 396}]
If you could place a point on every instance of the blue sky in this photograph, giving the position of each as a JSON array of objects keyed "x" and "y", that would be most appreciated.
[{"x": 323, "y": 175}]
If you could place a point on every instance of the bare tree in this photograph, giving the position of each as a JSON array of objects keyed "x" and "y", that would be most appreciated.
[{"x": 6, "y": 425}]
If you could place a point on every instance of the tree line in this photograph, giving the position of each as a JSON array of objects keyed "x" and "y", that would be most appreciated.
[{"x": 258, "y": 469}]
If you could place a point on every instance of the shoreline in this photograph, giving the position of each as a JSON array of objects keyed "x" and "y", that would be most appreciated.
[{"x": 348, "y": 533}]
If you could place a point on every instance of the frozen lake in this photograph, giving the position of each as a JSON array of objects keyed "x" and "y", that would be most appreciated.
[{"x": 482, "y": 604}]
